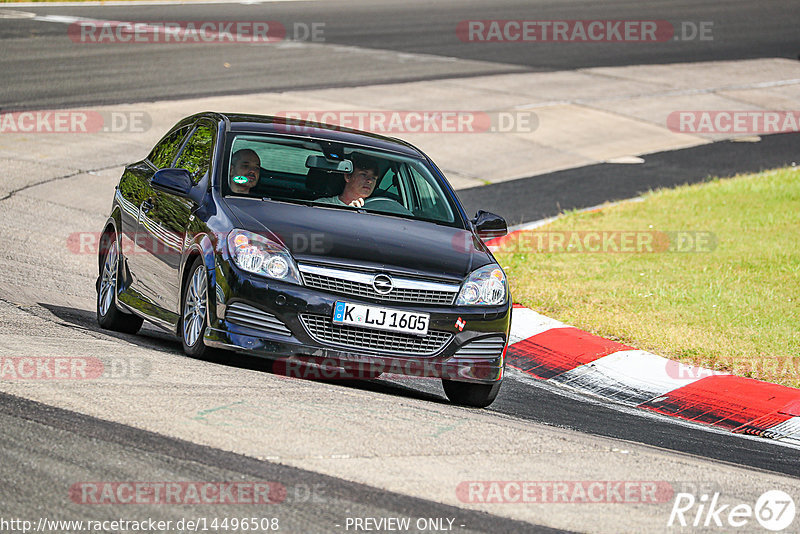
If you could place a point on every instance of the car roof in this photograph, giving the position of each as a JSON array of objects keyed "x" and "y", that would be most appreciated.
[{"x": 240, "y": 122}]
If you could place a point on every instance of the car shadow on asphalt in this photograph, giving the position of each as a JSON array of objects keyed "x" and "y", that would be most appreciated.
[{"x": 154, "y": 338}]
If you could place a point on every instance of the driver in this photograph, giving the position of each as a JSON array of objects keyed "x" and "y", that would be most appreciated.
[
  {"x": 359, "y": 184},
  {"x": 245, "y": 170}
]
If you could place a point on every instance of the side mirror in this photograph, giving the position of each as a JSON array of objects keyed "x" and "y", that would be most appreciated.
[
  {"x": 489, "y": 225},
  {"x": 174, "y": 181}
]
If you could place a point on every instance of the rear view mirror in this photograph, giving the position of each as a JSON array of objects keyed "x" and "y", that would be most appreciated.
[
  {"x": 318, "y": 162},
  {"x": 488, "y": 225},
  {"x": 175, "y": 181}
]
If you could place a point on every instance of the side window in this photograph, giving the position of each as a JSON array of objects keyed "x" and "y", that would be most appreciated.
[
  {"x": 429, "y": 196},
  {"x": 390, "y": 185},
  {"x": 387, "y": 183},
  {"x": 197, "y": 153},
  {"x": 164, "y": 152}
]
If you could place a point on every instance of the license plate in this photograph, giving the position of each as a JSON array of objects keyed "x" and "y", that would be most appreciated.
[{"x": 381, "y": 318}]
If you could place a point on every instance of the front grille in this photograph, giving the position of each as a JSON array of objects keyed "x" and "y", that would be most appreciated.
[
  {"x": 359, "y": 284},
  {"x": 245, "y": 315},
  {"x": 488, "y": 348},
  {"x": 324, "y": 331}
]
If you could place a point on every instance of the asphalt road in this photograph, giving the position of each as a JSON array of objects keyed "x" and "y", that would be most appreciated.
[
  {"x": 528, "y": 399},
  {"x": 540, "y": 197},
  {"x": 45, "y": 449},
  {"x": 364, "y": 43},
  {"x": 386, "y": 438},
  {"x": 49, "y": 452}
]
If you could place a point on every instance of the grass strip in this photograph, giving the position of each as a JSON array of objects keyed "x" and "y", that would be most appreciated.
[{"x": 707, "y": 274}]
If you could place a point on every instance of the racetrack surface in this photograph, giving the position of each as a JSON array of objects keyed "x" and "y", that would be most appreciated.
[
  {"x": 398, "y": 435},
  {"x": 364, "y": 43},
  {"x": 388, "y": 447},
  {"x": 306, "y": 502},
  {"x": 540, "y": 197}
]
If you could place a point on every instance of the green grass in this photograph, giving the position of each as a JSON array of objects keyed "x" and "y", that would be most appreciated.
[{"x": 735, "y": 308}]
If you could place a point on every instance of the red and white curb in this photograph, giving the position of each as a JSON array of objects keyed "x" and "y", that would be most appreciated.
[{"x": 550, "y": 350}]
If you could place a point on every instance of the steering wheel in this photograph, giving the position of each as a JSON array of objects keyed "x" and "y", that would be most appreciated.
[{"x": 386, "y": 204}]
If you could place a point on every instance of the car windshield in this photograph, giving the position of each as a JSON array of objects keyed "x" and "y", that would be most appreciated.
[{"x": 333, "y": 175}]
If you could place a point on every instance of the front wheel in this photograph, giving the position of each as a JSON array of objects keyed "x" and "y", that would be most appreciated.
[
  {"x": 472, "y": 394},
  {"x": 108, "y": 315},
  {"x": 194, "y": 311}
]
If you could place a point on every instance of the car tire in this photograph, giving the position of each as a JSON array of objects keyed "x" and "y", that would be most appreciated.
[
  {"x": 472, "y": 394},
  {"x": 194, "y": 312},
  {"x": 109, "y": 316}
]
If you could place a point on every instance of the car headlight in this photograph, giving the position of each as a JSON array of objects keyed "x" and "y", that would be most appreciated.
[
  {"x": 257, "y": 254},
  {"x": 486, "y": 286}
]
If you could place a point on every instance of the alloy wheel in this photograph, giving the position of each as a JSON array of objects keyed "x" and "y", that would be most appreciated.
[
  {"x": 194, "y": 309},
  {"x": 108, "y": 280}
]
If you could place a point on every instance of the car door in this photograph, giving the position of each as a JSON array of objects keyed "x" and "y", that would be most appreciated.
[
  {"x": 167, "y": 219},
  {"x": 135, "y": 197}
]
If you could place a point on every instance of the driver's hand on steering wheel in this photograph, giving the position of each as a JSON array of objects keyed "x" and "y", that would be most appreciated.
[{"x": 357, "y": 203}]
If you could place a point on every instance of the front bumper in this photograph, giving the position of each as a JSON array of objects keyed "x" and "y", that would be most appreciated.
[{"x": 470, "y": 343}]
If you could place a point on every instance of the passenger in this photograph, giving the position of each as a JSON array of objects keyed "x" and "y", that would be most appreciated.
[
  {"x": 245, "y": 163},
  {"x": 359, "y": 184}
]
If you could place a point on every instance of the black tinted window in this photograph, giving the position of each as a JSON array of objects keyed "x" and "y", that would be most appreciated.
[
  {"x": 196, "y": 155},
  {"x": 164, "y": 152}
]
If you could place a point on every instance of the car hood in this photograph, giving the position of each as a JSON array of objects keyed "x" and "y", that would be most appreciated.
[{"x": 347, "y": 237}]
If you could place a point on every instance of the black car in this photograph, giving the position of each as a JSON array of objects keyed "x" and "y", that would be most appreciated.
[{"x": 238, "y": 232}]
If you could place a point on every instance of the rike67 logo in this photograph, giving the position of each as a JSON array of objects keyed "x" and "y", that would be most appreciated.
[{"x": 774, "y": 510}]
